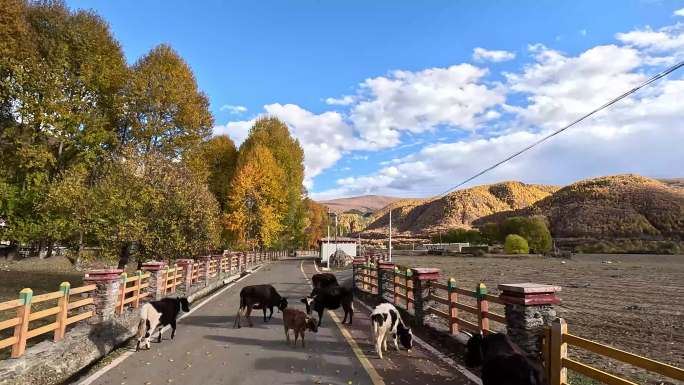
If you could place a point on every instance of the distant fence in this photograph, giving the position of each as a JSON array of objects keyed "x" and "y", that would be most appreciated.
[
  {"x": 73, "y": 305},
  {"x": 423, "y": 295}
]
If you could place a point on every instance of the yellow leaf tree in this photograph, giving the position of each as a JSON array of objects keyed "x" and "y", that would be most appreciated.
[{"x": 257, "y": 201}]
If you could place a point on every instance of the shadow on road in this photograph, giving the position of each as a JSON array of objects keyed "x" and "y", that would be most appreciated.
[
  {"x": 311, "y": 367},
  {"x": 329, "y": 347},
  {"x": 218, "y": 321}
]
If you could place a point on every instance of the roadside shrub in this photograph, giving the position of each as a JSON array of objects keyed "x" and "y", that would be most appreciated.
[
  {"x": 515, "y": 244},
  {"x": 533, "y": 229},
  {"x": 459, "y": 236},
  {"x": 491, "y": 233}
]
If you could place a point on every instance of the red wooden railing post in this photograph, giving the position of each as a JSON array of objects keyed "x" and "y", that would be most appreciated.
[
  {"x": 122, "y": 293},
  {"x": 482, "y": 308},
  {"x": 453, "y": 310},
  {"x": 136, "y": 293},
  {"x": 63, "y": 304},
  {"x": 21, "y": 329}
]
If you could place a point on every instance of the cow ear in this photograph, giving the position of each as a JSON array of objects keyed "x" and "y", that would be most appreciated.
[{"x": 303, "y": 300}]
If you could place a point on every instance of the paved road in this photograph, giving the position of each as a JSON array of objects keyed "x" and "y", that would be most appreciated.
[{"x": 207, "y": 350}]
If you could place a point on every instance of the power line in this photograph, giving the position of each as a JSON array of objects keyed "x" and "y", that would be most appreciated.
[{"x": 648, "y": 82}]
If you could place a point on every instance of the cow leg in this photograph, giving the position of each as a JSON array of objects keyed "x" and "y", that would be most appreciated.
[
  {"x": 396, "y": 344},
  {"x": 270, "y": 315},
  {"x": 296, "y": 333},
  {"x": 152, "y": 328},
  {"x": 287, "y": 334},
  {"x": 236, "y": 323},
  {"x": 248, "y": 315},
  {"x": 320, "y": 318},
  {"x": 378, "y": 344},
  {"x": 173, "y": 328},
  {"x": 265, "y": 314}
]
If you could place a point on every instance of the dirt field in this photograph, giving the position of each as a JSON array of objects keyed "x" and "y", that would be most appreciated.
[{"x": 631, "y": 302}]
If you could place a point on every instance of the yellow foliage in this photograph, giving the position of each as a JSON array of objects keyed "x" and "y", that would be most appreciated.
[{"x": 256, "y": 202}]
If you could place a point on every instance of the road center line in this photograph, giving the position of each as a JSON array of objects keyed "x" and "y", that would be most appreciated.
[{"x": 365, "y": 363}]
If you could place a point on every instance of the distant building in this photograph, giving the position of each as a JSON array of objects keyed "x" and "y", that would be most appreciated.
[
  {"x": 454, "y": 247},
  {"x": 328, "y": 247}
]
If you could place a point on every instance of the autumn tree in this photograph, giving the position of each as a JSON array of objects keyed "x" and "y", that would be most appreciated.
[
  {"x": 166, "y": 111},
  {"x": 289, "y": 155},
  {"x": 60, "y": 83},
  {"x": 317, "y": 222},
  {"x": 214, "y": 161},
  {"x": 256, "y": 204}
]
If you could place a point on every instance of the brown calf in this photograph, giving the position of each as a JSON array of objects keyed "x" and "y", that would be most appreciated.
[{"x": 298, "y": 321}]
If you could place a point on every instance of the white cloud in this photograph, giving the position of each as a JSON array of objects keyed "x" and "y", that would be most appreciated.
[
  {"x": 560, "y": 88},
  {"x": 344, "y": 101},
  {"x": 496, "y": 56},
  {"x": 679, "y": 12},
  {"x": 233, "y": 109},
  {"x": 666, "y": 39},
  {"x": 420, "y": 101},
  {"x": 642, "y": 134},
  {"x": 237, "y": 131}
]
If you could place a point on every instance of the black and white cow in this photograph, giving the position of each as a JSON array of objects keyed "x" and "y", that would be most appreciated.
[
  {"x": 330, "y": 298},
  {"x": 386, "y": 322},
  {"x": 502, "y": 361},
  {"x": 259, "y": 297},
  {"x": 157, "y": 314}
]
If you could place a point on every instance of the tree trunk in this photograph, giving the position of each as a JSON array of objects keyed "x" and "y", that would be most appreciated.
[
  {"x": 124, "y": 255},
  {"x": 50, "y": 248}
]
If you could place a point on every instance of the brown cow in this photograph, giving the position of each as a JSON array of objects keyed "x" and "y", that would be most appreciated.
[{"x": 298, "y": 321}]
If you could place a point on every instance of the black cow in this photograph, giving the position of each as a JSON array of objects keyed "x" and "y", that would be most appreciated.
[
  {"x": 502, "y": 361},
  {"x": 259, "y": 297},
  {"x": 323, "y": 280},
  {"x": 330, "y": 298},
  {"x": 159, "y": 314}
]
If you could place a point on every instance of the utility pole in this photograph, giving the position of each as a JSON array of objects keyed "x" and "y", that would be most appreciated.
[
  {"x": 327, "y": 240},
  {"x": 390, "y": 235}
]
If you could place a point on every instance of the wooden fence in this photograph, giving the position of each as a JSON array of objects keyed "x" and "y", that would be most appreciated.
[
  {"x": 30, "y": 322},
  {"x": 131, "y": 290},
  {"x": 402, "y": 288},
  {"x": 454, "y": 300},
  {"x": 454, "y": 309},
  {"x": 449, "y": 303},
  {"x": 67, "y": 303},
  {"x": 557, "y": 363}
]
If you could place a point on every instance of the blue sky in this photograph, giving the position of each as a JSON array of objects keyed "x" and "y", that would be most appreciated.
[{"x": 448, "y": 112}]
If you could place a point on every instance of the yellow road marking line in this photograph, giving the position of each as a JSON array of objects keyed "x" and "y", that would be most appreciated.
[{"x": 365, "y": 363}]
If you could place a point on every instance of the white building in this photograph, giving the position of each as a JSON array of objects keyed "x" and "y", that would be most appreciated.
[
  {"x": 454, "y": 247},
  {"x": 328, "y": 247}
]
